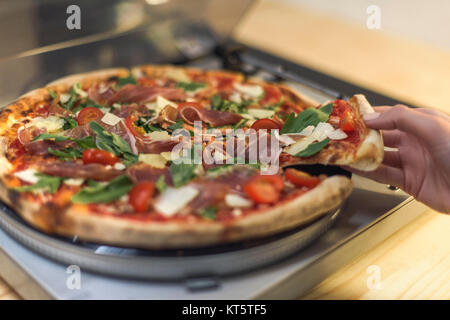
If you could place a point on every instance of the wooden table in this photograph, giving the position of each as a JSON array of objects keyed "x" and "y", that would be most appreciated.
[{"x": 414, "y": 263}]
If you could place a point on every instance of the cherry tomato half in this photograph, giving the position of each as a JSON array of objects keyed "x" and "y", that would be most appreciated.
[
  {"x": 264, "y": 188},
  {"x": 89, "y": 114},
  {"x": 99, "y": 156},
  {"x": 267, "y": 124},
  {"x": 347, "y": 122},
  {"x": 300, "y": 178},
  {"x": 146, "y": 82},
  {"x": 140, "y": 196},
  {"x": 136, "y": 131}
]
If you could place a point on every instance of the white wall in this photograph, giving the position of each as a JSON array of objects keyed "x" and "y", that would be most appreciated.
[{"x": 420, "y": 20}]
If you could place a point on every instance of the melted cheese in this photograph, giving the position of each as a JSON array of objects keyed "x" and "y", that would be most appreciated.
[{"x": 51, "y": 123}]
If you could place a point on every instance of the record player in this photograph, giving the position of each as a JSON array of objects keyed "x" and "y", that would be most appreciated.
[{"x": 193, "y": 33}]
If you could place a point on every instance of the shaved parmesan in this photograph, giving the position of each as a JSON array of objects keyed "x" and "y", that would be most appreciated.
[
  {"x": 173, "y": 200},
  {"x": 322, "y": 130},
  {"x": 27, "y": 175},
  {"x": 300, "y": 145},
  {"x": 307, "y": 131},
  {"x": 162, "y": 102},
  {"x": 119, "y": 166},
  {"x": 74, "y": 182},
  {"x": 155, "y": 160},
  {"x": 285, "y": 139},
  {"x": 51, "y": 123},
  {"x": 252, "y": 91},
  {"x": 236, "y": 201},
  {"x": 177, "y": 74},
  {"x": 171, "y": 155},
  {"x": 64, "y": 97},
  {"x": 110, "y": 119},
  {"x": 337, "y": 135},
  {"x": 105, "y": 109},
  {"x": 261, "y": 113},
  {"x": 235, "y": 97},
  {"x": 158, "y": 135},
  {"x": 79, "y": 91}
]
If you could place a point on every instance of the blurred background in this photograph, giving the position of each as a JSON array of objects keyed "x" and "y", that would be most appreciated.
[{"x": 406, "y": 57}]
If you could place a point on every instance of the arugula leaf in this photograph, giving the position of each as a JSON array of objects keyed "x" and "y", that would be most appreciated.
[
  {"x": 99, "y": 193},
  {"x": 85, "y": 143},
  {"x": 308, "y": 117},
  {"x": 190, "y": 86},
  {"x": 127, "y": 80},
  {"x": 45, "y": 182},
  {"x": 69, "y": 123},
  {"x": 65, "y": 154},
  {"x": 161, "y": 184},
  {"x": 52, "y": 93},
  {"x": 51, "y": 136},
  {"x": 177, "y": 125},
  {"x": 240, "y": 124},
  {"x": 113, "y": 143},
  {"x": 217, "y": 103},
  {"x": 143, "y": 122},
  {"x": 208, "y": 213},
  {"x": 313, "y": 148},
  {"x": 182, "y": 173}
]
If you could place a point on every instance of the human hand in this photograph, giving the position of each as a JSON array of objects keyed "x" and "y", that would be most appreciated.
[{"x": 421, "y": 165}]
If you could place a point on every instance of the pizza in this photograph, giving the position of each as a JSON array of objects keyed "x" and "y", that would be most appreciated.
[{"x": 163, "y": 157}]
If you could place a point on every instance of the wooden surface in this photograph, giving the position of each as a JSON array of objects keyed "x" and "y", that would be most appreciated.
[{"x": 414, "y": 263}]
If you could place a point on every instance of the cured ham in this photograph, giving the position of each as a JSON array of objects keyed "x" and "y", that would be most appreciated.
[
  {"x": 140, "y": 94},
  {"x": 93, "y": 171},
  {"x": 213, "y": 117},
  {"x": 144, "y": 172}
]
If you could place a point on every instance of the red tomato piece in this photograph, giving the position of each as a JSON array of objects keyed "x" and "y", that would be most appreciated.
[
  {"x": 129, "y": 122},
  {"x": 89, "y": 114},
  {"x": 264, "y": 188},
  {"x": 300, "y": 178},
  {"x": 146, "y": 82},
  {"x": 272, "y": 95},
  {"x": 99, "y": 156},
  {"x": 140, "y": 196},
  {"x": 267, "y": 124},
  {"x": 347, "y": 122}
]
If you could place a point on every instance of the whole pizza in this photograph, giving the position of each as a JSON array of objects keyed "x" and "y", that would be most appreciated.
[{"x": 172, "y": 157}]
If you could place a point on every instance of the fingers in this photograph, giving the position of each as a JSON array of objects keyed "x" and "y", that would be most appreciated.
[
  {"x": 404, "y": 119},
  {"x": 392, "y": 159},
  {"x": 392, "y": 138},
  {"x": 384, "y": 174}
]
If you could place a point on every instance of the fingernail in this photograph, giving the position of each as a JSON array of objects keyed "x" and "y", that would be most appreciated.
[{"x": 371, "y": 116}]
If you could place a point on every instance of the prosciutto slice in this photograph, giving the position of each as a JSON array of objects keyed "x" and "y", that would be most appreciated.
[
  {"x": 93, "y": 171},
  {"x": 213, "y": 117},
  {"x": 145, "y": 172},
  {"x": 157, "y": 146},
  {"x": 100, "y": 95},
  {"x": 140, "y": 94}
]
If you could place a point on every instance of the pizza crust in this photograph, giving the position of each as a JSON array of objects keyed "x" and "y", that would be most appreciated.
[{"x": 77, "y": 220}]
